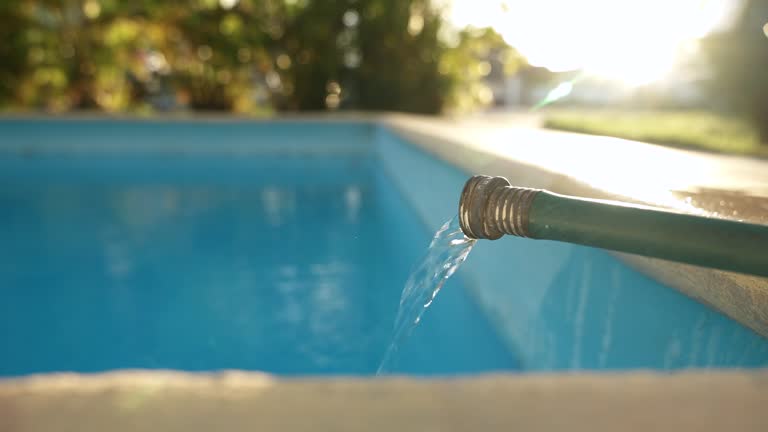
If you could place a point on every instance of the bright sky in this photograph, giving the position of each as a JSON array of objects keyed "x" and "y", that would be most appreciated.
[{"x": 636, "y": 41}]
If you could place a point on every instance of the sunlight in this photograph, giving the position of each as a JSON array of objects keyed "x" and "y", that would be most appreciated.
[{"x": 637, "y": 42}]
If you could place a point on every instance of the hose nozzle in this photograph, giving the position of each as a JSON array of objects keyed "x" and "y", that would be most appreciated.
[{"x": 490, "y": 207}]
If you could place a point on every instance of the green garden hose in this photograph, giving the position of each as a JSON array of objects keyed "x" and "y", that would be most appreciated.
[{"x": 490, "y": 207}]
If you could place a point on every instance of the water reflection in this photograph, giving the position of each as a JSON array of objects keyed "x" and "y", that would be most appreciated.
[
  {"x": 598, "y": 313},
  {"x": 269, "y": 276},
  {"x": 278, "y": 203},
  {"x": 353, "y": 199}
]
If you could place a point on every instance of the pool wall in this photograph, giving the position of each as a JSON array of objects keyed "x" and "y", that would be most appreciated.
[{"x": 38, "y": 137}]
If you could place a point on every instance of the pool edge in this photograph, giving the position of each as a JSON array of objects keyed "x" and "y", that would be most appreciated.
[{"x": 232, "y": 400}]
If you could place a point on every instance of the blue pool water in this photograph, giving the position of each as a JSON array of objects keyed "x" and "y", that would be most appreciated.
[
  {"x": 290, "y": 264},
  {"x": 283, "y": 247}
]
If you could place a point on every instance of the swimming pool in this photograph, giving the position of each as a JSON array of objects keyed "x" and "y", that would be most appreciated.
[{"x": 283, "y": 247}]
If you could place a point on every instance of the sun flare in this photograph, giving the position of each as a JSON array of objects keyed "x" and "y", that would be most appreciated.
[{"x": 636, "y": 42}]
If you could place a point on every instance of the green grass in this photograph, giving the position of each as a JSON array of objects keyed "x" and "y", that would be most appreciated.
[{"x": 688, "y": 129}]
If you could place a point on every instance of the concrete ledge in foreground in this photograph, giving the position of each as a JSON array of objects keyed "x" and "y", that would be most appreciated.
[{"x": 238, "y": 401}]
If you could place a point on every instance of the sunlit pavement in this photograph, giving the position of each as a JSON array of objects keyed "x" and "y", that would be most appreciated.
[
  {"x": 237, "y": 401},
  {"x": 645, "y": 172}
]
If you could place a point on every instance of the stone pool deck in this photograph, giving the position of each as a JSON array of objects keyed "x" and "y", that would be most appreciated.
[
  {"x": 236, "y": 401},
  {"x": 710, "y": 185},
  {"x": 592, "y": 165}
]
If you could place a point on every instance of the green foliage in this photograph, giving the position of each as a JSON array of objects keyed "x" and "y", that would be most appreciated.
[
  {"x": 687, "y": 129},
  {"x": 12, "y": 51},
  {"x": 475, "y": 54},
  {"x": 740, "y": 60},
  {"x": 238, "y": 55},
  {"x": 380, "y": 55},
  {"x": 400, "y": 50},
  {"x": 305, "y": 55}
]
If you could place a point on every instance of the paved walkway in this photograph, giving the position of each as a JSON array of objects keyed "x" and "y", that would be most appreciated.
[
  {"x": 236, "y": 401},
  {"x": 718, "y": 184}
]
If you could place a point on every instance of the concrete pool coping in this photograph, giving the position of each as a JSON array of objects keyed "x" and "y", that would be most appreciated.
[
  {"x": 611, "y": 168},
  {"x": 234, "y": 401}
]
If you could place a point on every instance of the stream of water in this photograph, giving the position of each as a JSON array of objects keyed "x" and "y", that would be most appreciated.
[{"x": 447, "y": 251}]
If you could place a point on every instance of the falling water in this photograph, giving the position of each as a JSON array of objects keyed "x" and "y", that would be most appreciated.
[{"x": 449, "y": 248}]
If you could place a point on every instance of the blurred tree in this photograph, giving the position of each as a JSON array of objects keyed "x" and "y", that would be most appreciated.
[
  {"x": 12, "y": 51},
  {"x": 216, "y": 47},
  {"x": 398, "y": 52},
  {"x": 476, "y": 55},
  {"x": 383, "y": 55},
  {"x": 240, "y": 54},
  {"x": 306, "y": 53},
  {"x": 73, "y": 58},
  {"x": 740, "y": 60}
]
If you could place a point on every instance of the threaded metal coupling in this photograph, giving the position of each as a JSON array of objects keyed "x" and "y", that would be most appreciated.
[{"x": 490, "y": 207}]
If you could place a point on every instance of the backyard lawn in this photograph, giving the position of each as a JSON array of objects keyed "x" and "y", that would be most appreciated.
[{"x": 688, "y": 129}]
